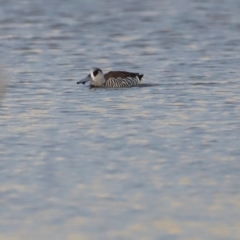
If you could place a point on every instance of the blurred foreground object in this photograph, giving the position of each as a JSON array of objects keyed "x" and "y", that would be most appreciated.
[{"x": 2, "y": 84}]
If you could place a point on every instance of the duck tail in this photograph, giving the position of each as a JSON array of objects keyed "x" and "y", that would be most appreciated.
[{"x": 140, "y": 76}]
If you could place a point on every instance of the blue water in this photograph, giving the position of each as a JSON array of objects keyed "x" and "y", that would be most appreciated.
[{"x": 160, "y": 161}]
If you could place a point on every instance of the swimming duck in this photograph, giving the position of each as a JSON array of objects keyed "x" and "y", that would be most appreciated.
[{"x": 113, "y": 79}]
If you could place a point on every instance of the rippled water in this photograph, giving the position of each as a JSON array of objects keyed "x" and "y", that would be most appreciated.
[{"x": 160, "y": 161}]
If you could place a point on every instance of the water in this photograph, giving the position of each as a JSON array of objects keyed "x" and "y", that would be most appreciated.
[{"x": 159, "y": 161}]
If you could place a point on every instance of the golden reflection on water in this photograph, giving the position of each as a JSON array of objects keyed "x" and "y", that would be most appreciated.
[
  {"x": 192, "y": 230},
  {"x": 137, "y": 202}
]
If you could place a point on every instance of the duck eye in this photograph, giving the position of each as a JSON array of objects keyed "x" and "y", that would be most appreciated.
[{"x": 95, "y": 73}]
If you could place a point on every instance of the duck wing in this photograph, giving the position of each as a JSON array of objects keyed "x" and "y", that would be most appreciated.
[{"x": 122, "y": 75}]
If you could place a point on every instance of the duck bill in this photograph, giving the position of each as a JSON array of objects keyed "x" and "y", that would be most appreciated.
[{"x": 84, "y": 80}]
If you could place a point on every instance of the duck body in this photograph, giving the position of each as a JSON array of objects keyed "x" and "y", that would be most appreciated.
[{"x": 113, "y": 79}]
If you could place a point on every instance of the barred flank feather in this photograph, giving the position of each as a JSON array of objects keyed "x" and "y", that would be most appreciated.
[
  {"x": 122, "y": 79},
  {"x": 121, "y": 82}
]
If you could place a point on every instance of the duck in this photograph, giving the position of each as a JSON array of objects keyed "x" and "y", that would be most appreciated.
[{"x": 113, "y": 79}]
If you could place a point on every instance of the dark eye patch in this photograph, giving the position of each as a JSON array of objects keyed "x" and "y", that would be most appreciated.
[{"x": 95, "y": 73}]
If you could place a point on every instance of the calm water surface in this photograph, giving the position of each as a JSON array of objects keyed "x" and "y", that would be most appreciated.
[{"x": 152, "y": 162}]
